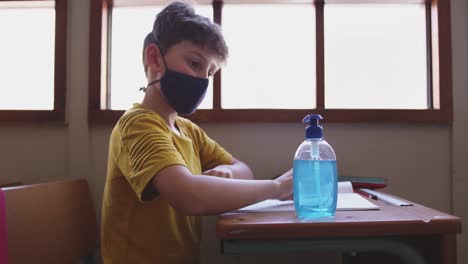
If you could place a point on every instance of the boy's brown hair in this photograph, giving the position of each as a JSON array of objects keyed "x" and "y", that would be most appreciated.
[{"x": 178, "y": 22}]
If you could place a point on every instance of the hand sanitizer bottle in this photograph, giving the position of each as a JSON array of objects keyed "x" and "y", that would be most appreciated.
[{"x": 315, "y": 180}]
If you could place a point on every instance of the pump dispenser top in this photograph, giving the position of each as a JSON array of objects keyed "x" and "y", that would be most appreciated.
[{"x": 313, "y": 130}]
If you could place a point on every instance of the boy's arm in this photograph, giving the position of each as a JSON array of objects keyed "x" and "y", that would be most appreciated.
[
  {"x": 201, "y": 195},
  {"x": 236, "y": 170}
]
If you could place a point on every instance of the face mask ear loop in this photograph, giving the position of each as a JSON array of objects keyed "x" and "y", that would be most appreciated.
[
  {"x": 149, "y": 84},
  {"x": 155, "y": 81}
]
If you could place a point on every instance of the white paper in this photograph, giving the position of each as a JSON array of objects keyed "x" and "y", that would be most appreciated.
[{"x": 347, "y": 200}]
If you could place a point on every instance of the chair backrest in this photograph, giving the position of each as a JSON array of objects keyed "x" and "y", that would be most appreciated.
[
  {"x": 50, "y": 222},
  {"x": 10, "y": 184}
]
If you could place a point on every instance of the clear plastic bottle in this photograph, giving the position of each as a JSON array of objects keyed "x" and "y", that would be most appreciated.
[{"x": 315, "y": 179}]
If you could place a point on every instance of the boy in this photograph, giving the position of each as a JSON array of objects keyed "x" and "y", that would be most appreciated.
[{"x": 159, "y": 181}]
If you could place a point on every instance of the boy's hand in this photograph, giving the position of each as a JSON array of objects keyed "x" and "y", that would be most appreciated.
[
  {"x": 222, "y": 171},
  {"x": 285, "y": 182}
]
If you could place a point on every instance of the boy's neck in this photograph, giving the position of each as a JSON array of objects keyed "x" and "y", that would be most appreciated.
[{"x": 154, "y": 101}]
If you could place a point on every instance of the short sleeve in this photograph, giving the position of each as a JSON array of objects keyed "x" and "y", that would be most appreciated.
[
  {"x": 211, "y": 153},
  {"x": 147, "y": 148}
]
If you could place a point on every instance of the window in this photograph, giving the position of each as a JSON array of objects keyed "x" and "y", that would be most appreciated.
[
  {"x": 383, "y": 62},
  {"x": 130, "y": 25},
  {"x": 272, "y": 61},
  {"x": 33, "y": 61},
  {"x": 351, "y": 61}
]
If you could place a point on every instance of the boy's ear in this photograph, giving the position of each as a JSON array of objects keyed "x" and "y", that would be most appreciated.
[{"x": 153, "y": 58}]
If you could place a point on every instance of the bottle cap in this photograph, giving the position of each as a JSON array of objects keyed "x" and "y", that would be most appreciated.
[{"x": 313, "y": 130}]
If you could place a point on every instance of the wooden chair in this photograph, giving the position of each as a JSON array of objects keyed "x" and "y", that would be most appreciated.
[
  {"x": 10, "y": 184},
  {"x": 51, "y": 223}
]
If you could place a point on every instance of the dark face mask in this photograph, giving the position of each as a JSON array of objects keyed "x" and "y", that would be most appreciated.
[{"x": 182, "y": 91}]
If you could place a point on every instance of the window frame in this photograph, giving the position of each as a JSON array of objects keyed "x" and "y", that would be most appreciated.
[
  {"x": 439, "y": 65},
  {"x": 57, "y": 114}
]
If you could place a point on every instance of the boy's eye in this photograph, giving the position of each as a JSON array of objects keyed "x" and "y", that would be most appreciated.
[{"x": 194, "y": 64}]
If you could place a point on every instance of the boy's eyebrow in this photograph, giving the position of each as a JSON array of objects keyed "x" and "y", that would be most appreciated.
[
  {"x": 199, "y": 54},
  {"x": 203, "y": 57}
]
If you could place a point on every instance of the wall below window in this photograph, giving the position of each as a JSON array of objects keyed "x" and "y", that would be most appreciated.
[
  {"x": 424, "y": 163},
  {"x": 459, "y": 140}
]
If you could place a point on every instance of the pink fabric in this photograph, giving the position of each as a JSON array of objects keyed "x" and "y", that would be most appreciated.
[{"x": 3, "y": 230}]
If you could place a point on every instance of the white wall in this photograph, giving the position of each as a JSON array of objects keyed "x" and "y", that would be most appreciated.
[{"x": 405, "y": 154}]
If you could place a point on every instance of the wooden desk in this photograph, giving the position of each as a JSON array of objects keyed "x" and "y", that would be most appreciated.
[{"x": 413, "y": 234}]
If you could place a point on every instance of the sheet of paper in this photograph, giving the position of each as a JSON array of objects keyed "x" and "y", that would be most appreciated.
[
  {"x": 354, "y": 201},
  {"x": 347, "y": 200},
  {"x": 345, "y": 187}
]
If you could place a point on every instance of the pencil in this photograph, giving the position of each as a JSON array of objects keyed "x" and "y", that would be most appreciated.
[{"x": 368, "y": 195}]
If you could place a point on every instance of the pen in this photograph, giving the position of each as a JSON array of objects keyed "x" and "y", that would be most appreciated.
[
  {"x": 387, "y": 198},
  {"x": 368, "y": 195}
]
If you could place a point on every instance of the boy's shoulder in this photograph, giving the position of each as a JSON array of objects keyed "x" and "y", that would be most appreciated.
[{"x": 135, "y": 114}]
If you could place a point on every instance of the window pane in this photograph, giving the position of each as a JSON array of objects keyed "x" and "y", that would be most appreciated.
[
  {"x": 375, "y": 57},
  {"x": 27, "y": 58},
  {"x": 130, "y": 25},
  {"x": 272, "y": 57}
]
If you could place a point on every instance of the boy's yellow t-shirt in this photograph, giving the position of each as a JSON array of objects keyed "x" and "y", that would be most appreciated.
[{"x": 139, "y": 226}]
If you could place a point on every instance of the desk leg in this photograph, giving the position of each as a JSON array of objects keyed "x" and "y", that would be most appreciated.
[
  {"x": 393, "y": 247},
  {"x": 449, "y": 249}
]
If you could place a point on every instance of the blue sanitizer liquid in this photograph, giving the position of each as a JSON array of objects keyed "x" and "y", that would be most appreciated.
[{"x": 315, "y": 188}]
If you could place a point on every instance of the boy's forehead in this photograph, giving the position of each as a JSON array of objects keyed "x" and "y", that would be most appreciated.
[{"x": 205, "y": 53}]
